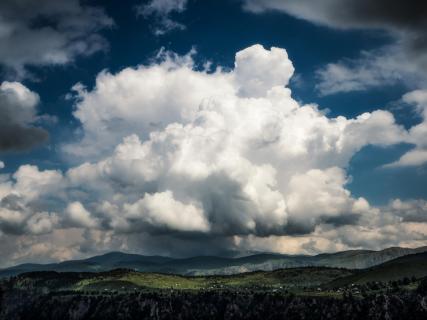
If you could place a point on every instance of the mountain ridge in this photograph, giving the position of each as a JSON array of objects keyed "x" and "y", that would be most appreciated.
[{"x": 214, "y": 265}]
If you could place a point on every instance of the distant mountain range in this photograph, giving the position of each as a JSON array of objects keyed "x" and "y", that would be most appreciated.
[{"x": 212, "y": 265}]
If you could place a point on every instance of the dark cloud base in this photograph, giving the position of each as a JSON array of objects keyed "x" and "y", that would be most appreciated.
[{"x": 19, "y": 138}]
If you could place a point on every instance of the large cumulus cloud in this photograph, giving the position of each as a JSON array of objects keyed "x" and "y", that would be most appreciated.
[{"x": 203, "y": 161}]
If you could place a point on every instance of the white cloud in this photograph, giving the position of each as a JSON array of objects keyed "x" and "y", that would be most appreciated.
[
  {"x": 321, "y": 194},
  {"x": 18, "y": 114},
  {"x": 2, "y": 165},
  {"x": 233, "y": 142},
  {"x": 162, "y": 209},
  {"x": 165, "y": 7},
  {"x": 411, "y": 158},
  {"x": 42, "y": 223},
  {"x": 72, "y": 31},
  {"x": 79, "y": 216},
  {"x": 21, "y": 102},
  {"x": 23, "y": 198},
  {"x": 319, "y": 12},
  {"x": 143, "y": 99},
  {"x": 417, "y": 133},
  {"x": 254, "y": 73},
  {"x": 32, "y": 183},
  {"x": 161, "y": 11},
  {"x": 410, "y": 210},
  {"x": 387, "y": 66}
]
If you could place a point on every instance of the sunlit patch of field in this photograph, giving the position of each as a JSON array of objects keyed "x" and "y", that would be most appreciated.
[{"x": 289, "y": 279}]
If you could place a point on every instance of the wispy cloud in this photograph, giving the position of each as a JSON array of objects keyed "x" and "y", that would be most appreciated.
[
  {"x": 404, "y": 60},
  {"x": 160, "y": 11}
]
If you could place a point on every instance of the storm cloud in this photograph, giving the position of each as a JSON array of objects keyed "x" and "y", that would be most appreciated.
[
  {"x": 344, "y": 14},
  {"x": 48, "y": 32}
]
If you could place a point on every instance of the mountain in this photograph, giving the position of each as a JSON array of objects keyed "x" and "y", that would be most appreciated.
[{"x": 212, "y": 265}]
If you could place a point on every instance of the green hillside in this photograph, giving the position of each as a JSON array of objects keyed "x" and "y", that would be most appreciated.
[
  {"x": 306, "y": 280},
  {"x": 413, "y": 265}
]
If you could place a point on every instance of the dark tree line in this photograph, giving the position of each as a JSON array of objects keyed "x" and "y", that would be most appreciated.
[
  {"x": 18, "y": 304},
  {"x": 210, "y": 305}
]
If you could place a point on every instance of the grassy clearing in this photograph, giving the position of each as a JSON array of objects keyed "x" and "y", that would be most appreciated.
[{"x": 280, "y": 279}]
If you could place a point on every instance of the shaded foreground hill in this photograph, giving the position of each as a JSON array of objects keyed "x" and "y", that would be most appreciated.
[
  {"x": 413, "y": 265},
  {"x": 211, "y": 265}
]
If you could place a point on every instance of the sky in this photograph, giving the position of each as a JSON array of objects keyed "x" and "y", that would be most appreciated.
[{"x": 202, "y": 127}]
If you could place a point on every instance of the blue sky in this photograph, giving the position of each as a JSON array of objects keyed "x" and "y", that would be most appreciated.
[{"x": 118, "y": 37}]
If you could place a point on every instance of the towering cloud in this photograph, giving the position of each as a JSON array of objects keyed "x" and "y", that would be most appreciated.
[{"x": 176, "y": 158}]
